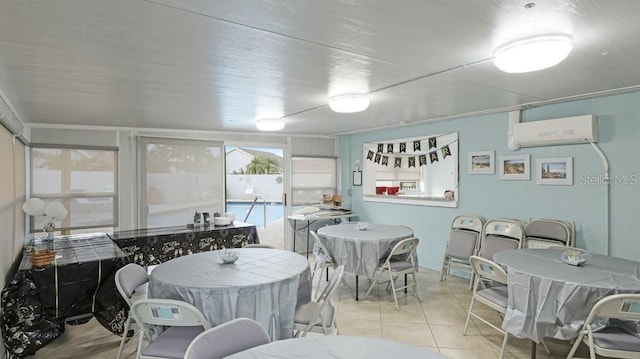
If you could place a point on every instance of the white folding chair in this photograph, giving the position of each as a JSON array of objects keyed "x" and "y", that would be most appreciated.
[
  {"x": 611, "y": 341},
  {"x": 544, "y": 233},
  {"x": 400, "y": 261},
  {"x": 227, "y": 338},
  {"x": 182, "y": 322},
  {"x": 464, "y": 241},
  {"x": 132, "y": 281},
  {"x": 500, "y": 234},
  {"x": 322, "y": 258},
  {"x": 494, "y": 297},
  {"x": 319, "y": 316}
]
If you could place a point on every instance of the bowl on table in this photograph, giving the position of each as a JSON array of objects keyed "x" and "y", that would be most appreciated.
[
  {"x": 221, "y": 221},
  {"x": 229, "y": 256},
  {"x": 362, "y": 226},
  {"x": 575, "y": 256}
]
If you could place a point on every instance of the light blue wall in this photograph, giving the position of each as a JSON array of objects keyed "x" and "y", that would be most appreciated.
[{"x": 585, "y": 202}]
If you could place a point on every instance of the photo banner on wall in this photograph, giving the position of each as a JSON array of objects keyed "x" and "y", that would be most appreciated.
[
  {"x": 385, "y": 153},
  {"x": 446, "y": 151},
  {"x": 433, "y": 156},
  {"x": 433, "y": 143}
]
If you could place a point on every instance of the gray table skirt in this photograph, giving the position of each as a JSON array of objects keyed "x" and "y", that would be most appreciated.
[
  {"x": 549, "y": 298},
  {"x": 263, "y": 284},
  {"x": 360, "y": 251}
]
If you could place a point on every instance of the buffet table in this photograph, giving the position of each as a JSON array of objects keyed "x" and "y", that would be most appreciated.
[
  {"x": 78, "y": 283},
  {"x": 156, "y": 245}
]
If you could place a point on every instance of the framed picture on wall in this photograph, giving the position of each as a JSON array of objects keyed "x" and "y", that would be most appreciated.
[
  {"x": 554, "y": 171},
  {"x": 515, "y": 167},
  {"x": 481, "y": 163}
]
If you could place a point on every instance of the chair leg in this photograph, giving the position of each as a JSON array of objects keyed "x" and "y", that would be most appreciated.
[
  {"x": 466, "y": 323},
  {"x": 576, "y": 345},
  {"x": 444, "y": 272},
  {"x": 416, "y": 288},
  {"x": 393, "y": 290},
  {"x": 374, "y": 282},
  {"x": 504, "y": 345},
  {"x": 124, "y": 342},
  {"x": 545, "y": 346}
]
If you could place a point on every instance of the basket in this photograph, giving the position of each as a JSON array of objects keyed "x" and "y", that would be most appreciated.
[{"x": 42, "y": 258}]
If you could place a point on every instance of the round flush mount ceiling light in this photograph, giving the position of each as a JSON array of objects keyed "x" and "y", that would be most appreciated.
[
  {"x": 270, "y": 124},
  {"x": 349, "y": 103},
  {"x": 533, "y": 53}
]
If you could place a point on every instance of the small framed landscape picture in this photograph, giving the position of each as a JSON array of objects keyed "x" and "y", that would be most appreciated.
[
  {"x": 481, "y": 163},
  {"x": 554, "y": 171},
  {"x": 515, "y": 167}
]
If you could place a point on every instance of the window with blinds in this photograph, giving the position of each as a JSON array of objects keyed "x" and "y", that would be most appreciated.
[
  {"x": 311, "y": 178},
  {"x": 83, "y": 179},
  {"x": 179, "y": 177}
]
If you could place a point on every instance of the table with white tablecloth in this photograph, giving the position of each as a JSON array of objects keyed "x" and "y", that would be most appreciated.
[
  {"x": 336, "y": 347},
  {"x": 263, "y": 284},
  {"x": 550, "y": 298}
]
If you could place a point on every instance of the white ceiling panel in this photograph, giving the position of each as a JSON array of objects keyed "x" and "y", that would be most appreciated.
[{"x": 219, "y": 65}]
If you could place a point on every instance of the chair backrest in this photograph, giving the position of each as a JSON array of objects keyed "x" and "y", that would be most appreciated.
[
  {"x": 324, "y": 298},
  {"x": 227, "y": 338},
  {"x": 166, "y": 312},
  {"x": 334, "y": 282},
  {"x": 405, "y": 248},
  {"x": 488, "y": 269},
  {"x": 322, "y": 254},
  {"x": 128, "y": 278},
  {"x": 464, "y": 236},
  {"x": 500, "y": 234},
  {"x": 618, "y": 306},
  {"x": 542, "y": 233}
]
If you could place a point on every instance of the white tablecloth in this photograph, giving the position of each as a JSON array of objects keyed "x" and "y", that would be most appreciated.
[
  {"x": 263, "y": 284},
  {"x": 549, "y": 298},
  {"x": 336, "y": 347},
  {"x": 361, "y": 251}
]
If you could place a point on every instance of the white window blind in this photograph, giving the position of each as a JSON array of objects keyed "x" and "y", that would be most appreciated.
[
  {"x": 311, "y": 177},
  {"x": 83, "y": 179},
  {"x": 178, "y": 178}
]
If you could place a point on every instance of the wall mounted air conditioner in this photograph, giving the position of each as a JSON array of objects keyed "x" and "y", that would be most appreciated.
[{"x": 559, "y": 131}]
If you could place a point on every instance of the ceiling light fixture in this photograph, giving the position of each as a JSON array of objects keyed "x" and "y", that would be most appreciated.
[
  {"x": 349, "y": 103},
  {"x": 533, "y": 53},
  {"x": 270, "y": 124}
]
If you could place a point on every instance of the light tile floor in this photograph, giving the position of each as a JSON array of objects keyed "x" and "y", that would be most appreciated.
[{"x": 435, "y": 323}]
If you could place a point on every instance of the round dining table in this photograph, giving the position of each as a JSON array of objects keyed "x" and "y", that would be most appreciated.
[
  {"x": 550, "y": 298},
  {"x": 263, "y": 284},
  {"x": 336, "y": 347},
  {"x": 358, "y": 250}
]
